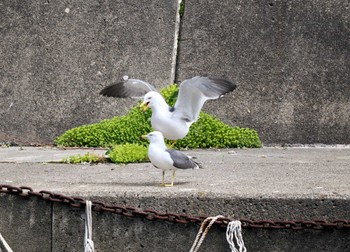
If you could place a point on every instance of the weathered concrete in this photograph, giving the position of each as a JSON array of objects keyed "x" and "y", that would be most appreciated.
[
  {"x": 272, "y": 172},
  {"x": 290, "y": 60},
  {"x": 43, "y": 154},
  {"x": 56, "y": 56},
  {"x": 269, "y": 183},
  {"x": 117, "y": 233},
  {"x": 25, "y": 224}
]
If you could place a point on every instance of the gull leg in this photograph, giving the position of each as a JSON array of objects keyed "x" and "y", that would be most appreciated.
[
  {"x": 172, "y": 180},
  {"x": 163, "y": 174},
  {"x": 172, "y": 144}
]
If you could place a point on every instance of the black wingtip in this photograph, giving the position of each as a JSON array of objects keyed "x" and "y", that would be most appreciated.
[
  {"x": 225, "y": 85},
  {"x": 200, "y": 166},
  {"x": 114, "y": 90},
  {"x": 194, "y": 160}
]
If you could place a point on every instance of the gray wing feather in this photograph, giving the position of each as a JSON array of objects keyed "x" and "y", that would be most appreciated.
[
  {"x": 182, "y": 161},
  {"x": 128, "y": 88},
  {"x": 194, "y": 92}
]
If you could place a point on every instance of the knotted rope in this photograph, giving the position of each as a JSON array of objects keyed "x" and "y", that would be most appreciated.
[
  {"x": 234, "y": 230},
  {"x": 88, "y": 243}
]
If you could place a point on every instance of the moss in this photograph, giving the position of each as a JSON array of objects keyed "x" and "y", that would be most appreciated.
[
  {"x": 210, "y": 132},
  {"x": 119, "y": 130},
  {"x": 182, "y": 8},
  {"x": 87, "y": 158},
  {"x": 128, "y": 153},
  {"x": 205, "y": 133}
]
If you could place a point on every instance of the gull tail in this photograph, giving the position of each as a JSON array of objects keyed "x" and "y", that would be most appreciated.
[{"x": 198, "y": 164}]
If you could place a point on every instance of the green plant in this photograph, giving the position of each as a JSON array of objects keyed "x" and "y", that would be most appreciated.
[
  {"x": 87, "y": 158},
  {"x": 118, "y": 130},
  {"x": 128, "y": 153},
  {"x": 207, "y": 132},
  {"x": 182, "y": 8}
]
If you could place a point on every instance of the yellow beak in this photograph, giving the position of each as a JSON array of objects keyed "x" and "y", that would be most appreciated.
[
  {"x": 144, "y": 106},
  {"x": 144, "y": 136}
]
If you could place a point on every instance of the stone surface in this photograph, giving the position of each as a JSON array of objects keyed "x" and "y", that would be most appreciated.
[
  {"x": 57, "y": 55},
  {"x": 113, "y": 232},
  {"x": 268, "y": 183},
  {"x": 68, "y": 228},
  {"x": 290, "y": 60},
  {"x": 43, "y": 154},
  {"x": 25, "y": 224},
  {"x": 270, "y": 172},
  {"x": 302, "y": 182}
]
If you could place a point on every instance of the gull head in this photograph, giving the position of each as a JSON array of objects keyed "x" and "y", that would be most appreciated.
[
  {"x": 154, "y": 137},
  {"x": 153, "y": 100}
]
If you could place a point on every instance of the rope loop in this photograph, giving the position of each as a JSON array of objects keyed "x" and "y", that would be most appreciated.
[
  {"x": 203, "y": 231},
  {"x": 88, "y": 243},
  {"x": 234, "y": 232}
]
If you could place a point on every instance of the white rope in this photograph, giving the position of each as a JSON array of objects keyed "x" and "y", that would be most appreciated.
[
  {"x": 234, "y": 231},
  {"x": 88, "y": 243},
  {"x": 202, "y": 233},
  {"x": 5, "y": 245}
]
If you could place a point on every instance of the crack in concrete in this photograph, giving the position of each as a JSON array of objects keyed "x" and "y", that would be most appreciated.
[{"x": 180, "y": 4}]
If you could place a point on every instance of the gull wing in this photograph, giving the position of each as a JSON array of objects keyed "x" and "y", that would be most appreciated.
[
  {"x": 128, "y": 88},
  {"x": 194, "y": 92},
  {"x": 181, "y": 161}
]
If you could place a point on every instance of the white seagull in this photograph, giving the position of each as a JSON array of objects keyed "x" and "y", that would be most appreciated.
[
  {"x": 173, "y": 122},
  {"x": 167, "y": 159}
]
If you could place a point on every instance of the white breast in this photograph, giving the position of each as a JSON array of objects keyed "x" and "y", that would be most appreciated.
[
  {"x": 160, "y": 158},
  {"x": 171, "y": 128}
]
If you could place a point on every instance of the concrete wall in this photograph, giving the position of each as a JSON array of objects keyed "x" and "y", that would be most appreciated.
[
  {"x": 25, "y": 224},
  {"x": 290, "y": 60},
  {"x": 57, "y": 55},
  {"x": 35, "y": 225}
]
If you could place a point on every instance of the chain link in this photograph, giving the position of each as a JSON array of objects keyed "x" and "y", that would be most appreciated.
[{"x": 153, "y": 215}]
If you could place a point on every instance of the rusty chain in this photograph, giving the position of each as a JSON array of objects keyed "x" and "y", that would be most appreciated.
[{"x": 152, "y": 215}]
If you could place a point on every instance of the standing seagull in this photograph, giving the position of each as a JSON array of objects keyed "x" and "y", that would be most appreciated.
[
  {"x": 167, "y": 159},
  {"x": 173, "y": 122}
]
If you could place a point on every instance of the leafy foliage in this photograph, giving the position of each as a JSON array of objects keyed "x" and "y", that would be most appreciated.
[
  {"x": 128, "y": 153},
  {"x": 208, "y": 132},
  {"x": 118, "y": 130},
  {"x": 87, "y": 158},
  {"x": 205, "y": 133}
]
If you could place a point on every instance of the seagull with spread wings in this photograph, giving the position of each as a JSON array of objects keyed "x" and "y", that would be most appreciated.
[{"x": 173, "y": 122}]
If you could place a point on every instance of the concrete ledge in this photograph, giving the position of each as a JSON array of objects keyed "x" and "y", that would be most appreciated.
[{"x": 267, "y": 183}]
